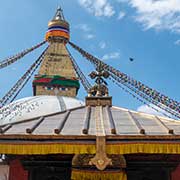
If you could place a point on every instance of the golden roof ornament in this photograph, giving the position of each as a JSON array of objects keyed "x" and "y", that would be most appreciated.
[
  {"x": 98, "y": 95},
  {"x": 100, "y": 88},
  {"x": 59, "y": 14}
]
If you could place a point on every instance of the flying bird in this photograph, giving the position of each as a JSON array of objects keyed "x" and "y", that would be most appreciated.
[{"x": 131, "y": 59}]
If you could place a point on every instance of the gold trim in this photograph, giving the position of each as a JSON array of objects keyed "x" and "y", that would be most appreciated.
[
  {"x": 65, "y": 148},
  {"x": 150, "y": 148},
  {"x": 95, "y": 175},
  {"x": 47, "y": 149}
]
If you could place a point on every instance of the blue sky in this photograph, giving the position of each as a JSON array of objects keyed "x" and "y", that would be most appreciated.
[{"x": 113, "y": 30}]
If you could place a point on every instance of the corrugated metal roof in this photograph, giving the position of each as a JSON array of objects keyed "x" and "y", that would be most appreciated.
[{"x": 95, "y": 121}]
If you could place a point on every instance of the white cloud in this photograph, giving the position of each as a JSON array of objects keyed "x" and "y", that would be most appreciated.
[
  {"x": 158, "y": 14},
  {"x": 102, "y": 45},
  {"x": 83, "y": 27},
  {"x": 121, "y": 15},
  {"x": 113, "y": 55},
  {"x": 147, "y": 109},
  {"x": 177, "y": 42},
  {"x": 122, "y": 1},
  {"x": 89, "y": 36},
  {"x": 86, "y": 31},
  {"x": 98, "y": 7}
]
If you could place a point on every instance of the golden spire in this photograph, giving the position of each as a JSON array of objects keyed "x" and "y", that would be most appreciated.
[
  {"x": 59, "y": 14},
  {"x": 56, "y": 74},
  {"x": 58, "y": 27}
]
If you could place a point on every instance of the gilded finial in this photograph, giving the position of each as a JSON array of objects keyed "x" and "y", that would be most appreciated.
[
  {"x": 100, "y": 88},
  {"x": 58, "y": 28},
  {"x": 59, "y": 14},
  {"x": 98, "y": 95}
]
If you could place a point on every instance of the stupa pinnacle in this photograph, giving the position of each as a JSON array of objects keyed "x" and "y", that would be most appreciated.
[
  {"x": 57, "y": 75},
  {"x": 58, "y": 27}
]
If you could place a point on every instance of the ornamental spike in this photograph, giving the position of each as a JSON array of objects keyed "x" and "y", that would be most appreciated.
[{"x": 59, "y": 14}]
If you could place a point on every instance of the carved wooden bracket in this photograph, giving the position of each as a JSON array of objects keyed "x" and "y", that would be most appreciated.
[{"x": 101, "y": 161}]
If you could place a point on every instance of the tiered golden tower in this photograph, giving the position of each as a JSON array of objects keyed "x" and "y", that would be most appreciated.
[{"x": 57, "y": 75}]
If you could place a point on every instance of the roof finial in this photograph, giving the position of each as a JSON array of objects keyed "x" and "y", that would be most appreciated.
[
  {"x": 98, "y": 95},
  {"x": 58, "y": 28},
  {"x": 59, "y": 14},
  {"x": 100, "y": 89}
]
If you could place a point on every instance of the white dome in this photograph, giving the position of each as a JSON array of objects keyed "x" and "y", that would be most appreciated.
[{"x": 31, "y": 107}]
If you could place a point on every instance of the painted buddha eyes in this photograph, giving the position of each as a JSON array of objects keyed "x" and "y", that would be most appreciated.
[
  {"x": 48, "y": 88},
  {"x": 63, "y": 89}
]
